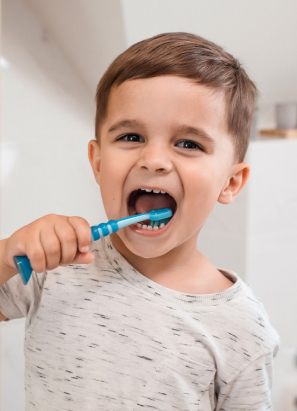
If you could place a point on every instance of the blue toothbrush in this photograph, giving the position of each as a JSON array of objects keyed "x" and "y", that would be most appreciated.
[{"x": 23, "y": 263}]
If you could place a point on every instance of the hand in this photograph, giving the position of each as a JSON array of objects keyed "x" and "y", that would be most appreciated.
[{"x": 49, "y": 242}]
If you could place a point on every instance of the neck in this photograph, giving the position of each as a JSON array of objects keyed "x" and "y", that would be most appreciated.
[
  {"x": 183, "y": 268},
  {"x": 185, "y": 258}
]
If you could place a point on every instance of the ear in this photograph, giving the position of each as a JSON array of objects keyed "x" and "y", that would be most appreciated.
[
  {"x": 234, "y": 184},
  {"x": 94, "y": 154}
]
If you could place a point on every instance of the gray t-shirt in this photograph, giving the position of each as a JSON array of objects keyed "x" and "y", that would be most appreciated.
[{"x": 104, "y": 337}]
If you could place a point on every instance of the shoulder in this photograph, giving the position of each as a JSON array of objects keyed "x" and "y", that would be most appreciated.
[
  {"x": 241, "y": 331},
  {"x": 251, "y": 321}
]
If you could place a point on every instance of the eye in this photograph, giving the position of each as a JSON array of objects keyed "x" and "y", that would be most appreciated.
[
  {"x": 190, "y": 145},
  {"x": 130, "y": 137}
]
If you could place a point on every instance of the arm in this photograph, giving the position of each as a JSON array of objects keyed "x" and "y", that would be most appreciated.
[
  {"x": 48, "y": 242},
  {"x": 2, "y": 317},
  {"x": 251, "y": 389},
  {"x": 6, "y": 272}
]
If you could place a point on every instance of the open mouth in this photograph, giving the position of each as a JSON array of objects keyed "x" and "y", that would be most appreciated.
[{"x": 144, "y": 200}]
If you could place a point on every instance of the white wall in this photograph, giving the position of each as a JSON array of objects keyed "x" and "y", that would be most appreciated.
[
  {"x": 90, "y": 33},
  {"x": 47, "y": 120},
  {"x": 44, "y": 106},
  {"x": 224, "y": 237},
  {"x": 271, "y": 249},
  {"x": 261, "y": 34}
]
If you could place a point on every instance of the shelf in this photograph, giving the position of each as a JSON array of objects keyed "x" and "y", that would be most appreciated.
[{"x": 274, "y": 133}]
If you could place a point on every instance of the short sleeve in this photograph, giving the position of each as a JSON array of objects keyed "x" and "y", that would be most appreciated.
[
  {"x": 251, "y": 389},
  {"x": 18, "y": 300}
]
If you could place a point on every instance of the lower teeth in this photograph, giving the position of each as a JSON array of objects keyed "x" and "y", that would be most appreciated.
[{"x": 149, "y": 227}]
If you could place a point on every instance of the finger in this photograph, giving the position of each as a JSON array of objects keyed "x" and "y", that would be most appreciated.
[
  {"x": 83, "y": 232},
  {"x": 68, "y": 241},
  {"x": 52, "y": 248},
  {"x": 35, "y": 252},
  {"x": 83, "y": 258}
]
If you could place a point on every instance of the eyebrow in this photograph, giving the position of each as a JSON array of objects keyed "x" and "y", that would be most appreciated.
[
  {"x": 185, "y": 129},
  {"x": 199, "y": 132},
  {"x": 125, "y": 123}
]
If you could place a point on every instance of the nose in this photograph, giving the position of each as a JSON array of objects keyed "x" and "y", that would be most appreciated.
[{"x": 155, "y": 157}]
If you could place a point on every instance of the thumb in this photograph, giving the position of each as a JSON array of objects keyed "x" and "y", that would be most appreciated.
[{"x": 83, "y": 258}]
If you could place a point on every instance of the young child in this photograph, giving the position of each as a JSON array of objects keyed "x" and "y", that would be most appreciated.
[{"x": 141, "y": 320}]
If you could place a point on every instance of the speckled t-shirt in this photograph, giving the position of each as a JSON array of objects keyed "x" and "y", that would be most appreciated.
[{"x": 104, "y": 337}]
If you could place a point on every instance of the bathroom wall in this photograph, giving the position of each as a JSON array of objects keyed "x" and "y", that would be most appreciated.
[
  {"x": 271, "y": 251},
  {"x": 47, "y": 116},
  {"x": 261, "y": 34}
]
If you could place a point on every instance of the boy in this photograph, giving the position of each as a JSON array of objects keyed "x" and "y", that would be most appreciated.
[{"x": 149, "y": 322}]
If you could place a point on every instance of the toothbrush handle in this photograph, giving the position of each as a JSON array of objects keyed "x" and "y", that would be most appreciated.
[
  {"x": 104, "y": 229},
  {"x": 24, "y": 268},
  {"x": 22, "y": 262}
]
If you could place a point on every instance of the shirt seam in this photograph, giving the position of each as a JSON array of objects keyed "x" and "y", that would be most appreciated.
[{"x": 250, "y": 363}]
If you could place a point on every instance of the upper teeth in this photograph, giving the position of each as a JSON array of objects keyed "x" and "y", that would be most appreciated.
[{"x": 155, "y": 191}]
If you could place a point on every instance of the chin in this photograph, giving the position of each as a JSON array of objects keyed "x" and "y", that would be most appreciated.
[{"x": 144, "y": 250}]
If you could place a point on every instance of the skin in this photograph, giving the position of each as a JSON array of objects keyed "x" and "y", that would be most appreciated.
[{"x": 197, "y": 175}]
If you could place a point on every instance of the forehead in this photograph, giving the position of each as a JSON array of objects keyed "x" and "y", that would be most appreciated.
[{"x": 168, "y": 101}]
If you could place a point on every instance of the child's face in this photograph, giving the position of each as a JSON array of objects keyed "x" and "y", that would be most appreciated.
[{"x": 180, "y": 146}]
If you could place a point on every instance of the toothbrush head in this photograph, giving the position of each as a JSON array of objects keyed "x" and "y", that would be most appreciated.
[
  {"x": 154, "y": 215},
  {"x": 160, "y": 214}
]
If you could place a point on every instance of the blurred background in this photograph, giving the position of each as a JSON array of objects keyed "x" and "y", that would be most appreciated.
[{"x": 53, "y": 55}]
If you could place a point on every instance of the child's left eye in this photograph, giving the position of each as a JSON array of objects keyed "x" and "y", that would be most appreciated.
[
  {"x": 130, "y": 137},
  {"x": 190, "y": 144}
]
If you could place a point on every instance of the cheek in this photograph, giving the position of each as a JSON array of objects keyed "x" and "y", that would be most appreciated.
[
  {"x": 202, "y": 189},
  {"x": 112, "y": 170},
  {"x": 111, "y": 182},
  {"x": 113, "y": 174}
]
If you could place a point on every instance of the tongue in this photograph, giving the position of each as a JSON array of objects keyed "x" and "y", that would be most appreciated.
[{"x": 147, "y": 202}]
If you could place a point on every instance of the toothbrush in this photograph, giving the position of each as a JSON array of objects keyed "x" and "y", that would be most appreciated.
[{"x": 23, "y": 263}]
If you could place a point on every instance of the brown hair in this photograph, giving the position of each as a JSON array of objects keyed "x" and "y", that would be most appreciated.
[{"x": 189, "y": 56}]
